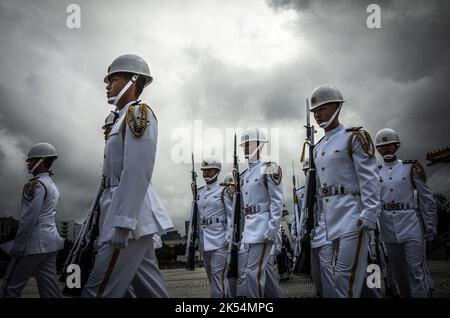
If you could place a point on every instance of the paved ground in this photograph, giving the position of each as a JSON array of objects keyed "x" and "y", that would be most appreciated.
[{"x": 185, "y": 284}]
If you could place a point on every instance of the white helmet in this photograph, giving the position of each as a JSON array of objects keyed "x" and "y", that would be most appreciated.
[
  {"x": 386, "y": 136},
  {"x": 130, "y": 63},
  {"x": 42, "y": 150},
  {"x": 253, "y": 134},
  {"x": 211, "y": 163},
  {"x": 228, "y": 179},
  {"x": 324, "y": 94}
]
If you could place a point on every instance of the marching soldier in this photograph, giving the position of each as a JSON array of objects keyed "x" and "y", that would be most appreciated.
[
  {"x": 215, "y": 202},
  {"x": 348, "y": 189},
  {"x": 408, "y": 215},
  {"x": 37, "y": 241},
  {"x": 131, "y": 211},
  {"x": 262, "y": 196}
]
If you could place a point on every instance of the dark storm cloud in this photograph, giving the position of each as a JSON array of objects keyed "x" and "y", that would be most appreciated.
[{"x": 403, "y": 69}]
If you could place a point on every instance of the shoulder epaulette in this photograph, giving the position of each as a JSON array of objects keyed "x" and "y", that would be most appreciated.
[
  {"x": 138, "y": 124},
  {"x": 29, "y": 189},
  {"x": 363, "y": 137},
  {"x": 273, "y": 170},
  {"x": 228, "y": 190},
  {"x": 417, "y": 170}
]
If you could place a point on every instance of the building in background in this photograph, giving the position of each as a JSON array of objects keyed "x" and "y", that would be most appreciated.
[
  {"x": 68, "y": 230},
  {"x": 8, "y": 228}
]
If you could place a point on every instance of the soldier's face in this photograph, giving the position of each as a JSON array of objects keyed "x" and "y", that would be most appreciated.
[
  {"x": 323, "y": 113},
  {"x": 31, "y": 163},
  {"x": 249, "y": 147},
  {"x": 209, "y": 173},
  {"x": 388, "y": 149},
  {"x": 115, "y": 84}
]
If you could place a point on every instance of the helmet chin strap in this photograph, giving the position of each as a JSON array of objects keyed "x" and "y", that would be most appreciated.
[
  {"x": 211, "y": 178},
  {"x": 31, "y": 171},
  {"x": 325, "y": 125},
  {"x": 250, "y": 156},
  {"x": 389, "y": 158},
  {"x": 115, "y": 99}
]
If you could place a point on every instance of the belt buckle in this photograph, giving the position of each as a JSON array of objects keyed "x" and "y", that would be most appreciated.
[
  {"x": 326, "y": 191},
  {"x": 392, "y": 206}
]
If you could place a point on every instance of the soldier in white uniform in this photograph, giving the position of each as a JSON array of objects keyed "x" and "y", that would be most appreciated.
[
  {"x": 348, "y": 189},
  {"x": 408, "y": 216},
  {"x": 214, "y": 202},
  {"x": 130, "y": 210},
  {"x": 37, "y": 242},
  {"x": 262, "y": 202}
]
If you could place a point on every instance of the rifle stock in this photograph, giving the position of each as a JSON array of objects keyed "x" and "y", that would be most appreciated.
[
  {"x": 304, "y": 259},
  {"x": 233, "y": 248},
  {"x": 193, "y": 225}
]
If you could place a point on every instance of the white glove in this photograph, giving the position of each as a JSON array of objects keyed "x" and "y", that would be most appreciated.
[
  {"x": 119, "y": 237},
  {"x": 366, "y": 225},
  {"x": 270, "y": 236},
  {"x": 294, "y": 238}
]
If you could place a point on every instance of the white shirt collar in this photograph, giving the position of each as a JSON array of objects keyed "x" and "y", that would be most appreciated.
[
  {"x": 254, "y": 164},
  {"x": 125, "y": 108},
  {"x": 334, "y": 131},
  {"x": 212, "y": 185}
]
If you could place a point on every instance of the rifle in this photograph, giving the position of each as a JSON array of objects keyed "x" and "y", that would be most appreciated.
[
  {"x": 233, "y": 247},
  {"x": 307, "y": 226},
  {"x": 193, "y": 226},
  {"x": 84, "y": 248},
  {"x": 296, "y": 244}
]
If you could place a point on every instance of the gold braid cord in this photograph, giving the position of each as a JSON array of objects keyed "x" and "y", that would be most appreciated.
[
  {"x": 274, "y": 172},
  {"x": 418, "y": 171},
  {"x": 364, "y": 140},
  {"x": 29, "y": 190},
  {"x": 137, "y": 129}
]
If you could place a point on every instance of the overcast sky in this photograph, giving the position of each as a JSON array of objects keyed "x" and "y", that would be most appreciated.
[{"x": 230, "y": 64}]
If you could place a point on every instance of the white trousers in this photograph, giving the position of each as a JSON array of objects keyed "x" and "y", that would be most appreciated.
[
  {"x": 351, "y": 250},
  {"x": 322, "y": 270},
  {"x": 41, "y": 266},
  {"x": 215, "y": 266},
  {"x": 408, "y": 266},
  {"x": 257, "y": 262},
  {"x": 115, "y": 270}
]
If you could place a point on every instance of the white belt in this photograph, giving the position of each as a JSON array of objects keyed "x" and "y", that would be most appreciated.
[
  {"x": 208, "y": 221},
  {"x": 398, "y": 206},
  {"x": 337, "y": 189}
]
